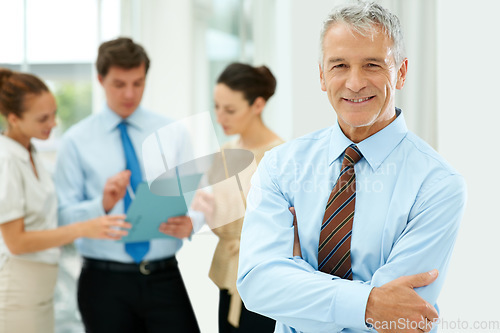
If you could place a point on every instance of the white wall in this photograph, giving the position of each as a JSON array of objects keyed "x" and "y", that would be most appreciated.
[
  {"x": 299, "y": 106},
  {"x": 468, "y": 118},
  {"x": 166, "y": 32}
]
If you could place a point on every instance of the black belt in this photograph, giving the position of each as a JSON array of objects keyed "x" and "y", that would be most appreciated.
[{"x": 144, "y": 267}]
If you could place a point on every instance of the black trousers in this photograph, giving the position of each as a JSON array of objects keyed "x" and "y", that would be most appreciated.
[
  {"x": 130, "y": 302},
  {"x": 250, "y": 322}
]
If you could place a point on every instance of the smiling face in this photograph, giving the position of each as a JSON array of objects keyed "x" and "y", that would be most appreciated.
[
  {"x": 233, "y": 111},
  {"x": 124, "y": 88},
  {"x": 36, "y": 121},
  {"x": 360, "y": 77}
]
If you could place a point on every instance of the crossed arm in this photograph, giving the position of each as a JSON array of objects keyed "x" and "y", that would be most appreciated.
[
  {"x": 273, "y": 282},
  {"x": 384, "y": 303}
]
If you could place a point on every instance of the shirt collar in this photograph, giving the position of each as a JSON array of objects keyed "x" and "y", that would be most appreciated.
[
  {"x": 111, "y": 120},
  {"x": 15, "y": 148},
  {"x": 375, "y": 148}
]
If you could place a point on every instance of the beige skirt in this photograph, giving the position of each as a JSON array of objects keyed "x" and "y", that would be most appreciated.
[{"x": 26, "y": 296}]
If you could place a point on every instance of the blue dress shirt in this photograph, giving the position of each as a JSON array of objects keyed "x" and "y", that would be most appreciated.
[
  {"x": 90, "y": 153},
  {"x": 409, "y": 204}
]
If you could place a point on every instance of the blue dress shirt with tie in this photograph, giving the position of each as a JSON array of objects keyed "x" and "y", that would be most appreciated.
[
  {"x": 90, "y": 153},
  {"x": 409, "y": 203}
]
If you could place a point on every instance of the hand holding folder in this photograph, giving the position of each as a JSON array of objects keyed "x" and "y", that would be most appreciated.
[{"x": 148, "y": 211}]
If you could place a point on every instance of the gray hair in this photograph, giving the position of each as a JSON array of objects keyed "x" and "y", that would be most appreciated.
[{"x": 363, "y": 16}]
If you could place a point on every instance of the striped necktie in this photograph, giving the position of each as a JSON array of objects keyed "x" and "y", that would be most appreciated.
[
  {"x": 334, "y": 251},
  {"x": 136, "y": 250}
]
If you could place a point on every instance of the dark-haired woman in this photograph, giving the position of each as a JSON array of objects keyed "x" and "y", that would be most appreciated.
[
  {"x": 29, "y": 235},
  {"x": 240, "y": 95}
]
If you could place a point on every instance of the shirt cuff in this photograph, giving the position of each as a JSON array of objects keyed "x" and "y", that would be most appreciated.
[
  {"x": 350, "y": 305},
  {"x": 82, "y": 211},
  {"x": 98, "y": 209}
]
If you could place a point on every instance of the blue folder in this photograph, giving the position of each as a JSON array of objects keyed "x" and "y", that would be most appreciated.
[{"x": 147, "y": 211}]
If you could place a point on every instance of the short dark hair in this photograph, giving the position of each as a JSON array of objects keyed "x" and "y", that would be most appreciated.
[
  {"x": 121, "y": 52},
  {"x": 253, "y": 82},
  {"x": 16, "y": 88}
]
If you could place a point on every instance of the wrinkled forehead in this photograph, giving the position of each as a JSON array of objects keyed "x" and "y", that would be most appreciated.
[
  {"x": 369, "y": 30},
  {"x": 344, "y": 37}
]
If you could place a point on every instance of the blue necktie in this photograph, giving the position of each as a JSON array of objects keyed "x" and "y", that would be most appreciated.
[{"x": 139, "y": 249}]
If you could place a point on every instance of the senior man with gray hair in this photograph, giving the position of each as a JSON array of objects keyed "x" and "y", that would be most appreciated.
[{"x": 376, "y": 208}]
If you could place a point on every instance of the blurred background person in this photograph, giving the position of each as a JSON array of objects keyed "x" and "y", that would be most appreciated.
[
  {"x": 133, "y": 286},
  {"x": 28, "y": 209},
  {"x": 240, "y": 95}
]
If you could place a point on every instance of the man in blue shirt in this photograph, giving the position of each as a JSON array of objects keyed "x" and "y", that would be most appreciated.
[
  {"x": 408, "y": 201},
  {"x": 121, "y": 288}
]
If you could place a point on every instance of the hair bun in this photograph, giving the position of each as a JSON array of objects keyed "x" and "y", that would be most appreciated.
[
  {"x": 269, "y": 78},
  {"x": 264, "y": 70},
  {"x": 254, "y": 82}
]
